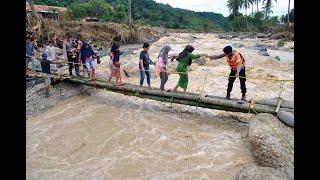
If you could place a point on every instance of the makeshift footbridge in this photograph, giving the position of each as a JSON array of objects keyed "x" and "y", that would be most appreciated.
[{"x": 272, "y": 106}]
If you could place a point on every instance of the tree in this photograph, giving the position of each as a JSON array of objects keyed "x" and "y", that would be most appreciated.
[
  {"x": 234, "y": 6},
  {"x": 288, "y": 11},
  {"x": 129, "y": 12},
  {"x": 267, "y": 7},
  {"x": 251, "y": 4},
  {"x": 120, "y": 12},
  {"x": 93, "y": 8},
  {"x": 246, "y": 5},
  {"x": 257, "y": 2}
]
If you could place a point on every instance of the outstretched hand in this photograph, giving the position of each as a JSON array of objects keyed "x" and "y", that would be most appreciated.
[
  {"x": 205, "y": 55},
  {"x": 173, "y": 57}
]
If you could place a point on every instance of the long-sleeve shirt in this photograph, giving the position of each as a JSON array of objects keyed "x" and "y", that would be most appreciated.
[{"x": 217, "y": 56}]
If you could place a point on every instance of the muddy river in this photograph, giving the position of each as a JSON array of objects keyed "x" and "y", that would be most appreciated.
[{"x": 113, "y": 136}]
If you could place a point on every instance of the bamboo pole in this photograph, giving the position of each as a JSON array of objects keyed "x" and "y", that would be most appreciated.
[{"x": 174, "y": 97}]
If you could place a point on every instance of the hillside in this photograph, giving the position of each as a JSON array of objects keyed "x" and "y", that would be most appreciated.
[{"x": 147, "y": 12}]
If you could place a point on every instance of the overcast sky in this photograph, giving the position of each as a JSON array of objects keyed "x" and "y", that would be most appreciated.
[{"x": 220, "y": 6}]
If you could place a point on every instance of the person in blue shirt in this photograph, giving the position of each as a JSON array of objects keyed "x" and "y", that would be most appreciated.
[{"x": 29, "y": 53}]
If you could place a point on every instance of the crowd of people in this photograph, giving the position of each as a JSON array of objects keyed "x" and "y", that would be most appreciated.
[{"x": 78, "y": 53}]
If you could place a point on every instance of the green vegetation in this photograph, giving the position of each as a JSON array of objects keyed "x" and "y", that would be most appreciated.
[
  {"x": 258, "y": 20},
  {"x": 280, "y": 43},
  {"x": 146, "y": 12}
]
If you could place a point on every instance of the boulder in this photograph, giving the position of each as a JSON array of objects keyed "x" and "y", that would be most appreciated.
[
  {"x": 222, "y": 36},
  {"x": 271, "y": 142},
  {"x": 237, "y": 45},
  {"x": 261, "y": 35},
  {"x": 264, "y": 53},
  {"x": 254, "y": 172}
]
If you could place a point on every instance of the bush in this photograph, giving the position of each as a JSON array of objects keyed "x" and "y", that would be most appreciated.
[{"x": 280, "y": 43}]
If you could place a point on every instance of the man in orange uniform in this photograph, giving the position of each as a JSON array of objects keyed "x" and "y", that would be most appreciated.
[{"x": 236, "y": 63}]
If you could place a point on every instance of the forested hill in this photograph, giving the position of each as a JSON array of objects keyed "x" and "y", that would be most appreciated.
[{"x": 143, "y": 11}]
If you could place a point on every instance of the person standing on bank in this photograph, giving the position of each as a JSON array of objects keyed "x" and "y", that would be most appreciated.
[
  {"x": 46, "y": 74},
  {"x": 51, "y": 55},
  {"x": 29, "y": 53},
  {"x": 162, "y": 64},
  {"x": 237, "y": 65},
  {"x": 144, "y": 63},
  {"x": 185, "y": 59}
]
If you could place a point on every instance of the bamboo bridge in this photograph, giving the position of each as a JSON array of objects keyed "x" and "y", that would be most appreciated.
[{"x": 272, "y": 106}]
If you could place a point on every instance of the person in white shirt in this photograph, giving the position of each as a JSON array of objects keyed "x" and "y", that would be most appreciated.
[{"x": 51, "y": 55}]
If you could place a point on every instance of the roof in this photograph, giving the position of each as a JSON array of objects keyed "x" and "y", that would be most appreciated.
[{"x": 43, "y": 8}]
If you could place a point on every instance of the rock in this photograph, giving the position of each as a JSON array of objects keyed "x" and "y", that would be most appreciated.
[
  {"x": 254, "y": 172},
  {"x": 264, "y": 53},
  {"x": 259, "y": 46},
  {"x": 229, "y": 36},
  {"x": 37, "y": 103},
  {"x": 269, "y": 35},
  {"x": 277, "y": 58},
  {"x": 243, "y": 36},
  {"x": 222, "y": 36},
  {"x": 261, "y": 35},
  {"x": 271, "y": 142},
  {"x": 236, "y": 45},
  {"x": 286, "y": 117}
]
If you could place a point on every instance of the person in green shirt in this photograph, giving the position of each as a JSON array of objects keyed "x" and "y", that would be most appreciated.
[{"x": 185, "y": 59}]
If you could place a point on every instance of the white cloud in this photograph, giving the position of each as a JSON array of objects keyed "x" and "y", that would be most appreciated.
[{"x": 220, "y": 6}]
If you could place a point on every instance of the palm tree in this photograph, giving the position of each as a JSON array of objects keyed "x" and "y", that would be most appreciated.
[
  {"x": 234, "y": 6},
  {"x": 257, "y": 2},
  {"x": 129, "y": 12},
  {"x": 251, "y": 4},
  {"x": 246, "y": 4},
  {"x": 267, "y": 7},
  {"x": 288, "y": 11}
]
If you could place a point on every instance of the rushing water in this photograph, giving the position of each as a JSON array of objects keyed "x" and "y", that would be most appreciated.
[{"x": 112, "y": 136}]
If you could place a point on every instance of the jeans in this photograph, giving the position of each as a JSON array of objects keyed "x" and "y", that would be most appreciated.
[
  {"x": 164, "y": 78},
  {"x": 47, "y": 79},
  {"x": 89, "y": 65},
  {"x": 142, "y": 75},
  {"x": 242, "y": 80}
]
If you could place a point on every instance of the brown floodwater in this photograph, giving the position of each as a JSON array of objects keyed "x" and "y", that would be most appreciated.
[{"x": 112, "y": 136}]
